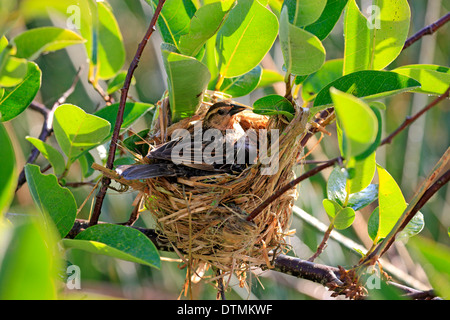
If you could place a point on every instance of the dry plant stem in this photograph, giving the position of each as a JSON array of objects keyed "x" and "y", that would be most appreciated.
[
  {"x": 47, "y": 126},
  {"x": 322, "y": 245},
  {"x": 410, "y": 120},
  {"x": 119, "y": 120},
  {"x": 432, "y": 28}
]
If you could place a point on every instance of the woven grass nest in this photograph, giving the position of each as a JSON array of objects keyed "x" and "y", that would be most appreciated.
[{"x": 204, "y": 218}]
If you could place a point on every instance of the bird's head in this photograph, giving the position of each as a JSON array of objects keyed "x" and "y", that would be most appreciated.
[{"x": 220, "y": 115}]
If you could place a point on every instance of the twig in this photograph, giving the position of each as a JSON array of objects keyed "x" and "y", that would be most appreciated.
[
  {"x": 322, "y": 245},
  {"x": 123, "y": 98},
  {"x": 291, "y": 185},
  {"x": 430, "y": 29},
  {"x": 410, "y": 120}
]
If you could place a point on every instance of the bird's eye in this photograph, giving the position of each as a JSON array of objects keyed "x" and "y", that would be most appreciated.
[{"x": 221, "y": 112}]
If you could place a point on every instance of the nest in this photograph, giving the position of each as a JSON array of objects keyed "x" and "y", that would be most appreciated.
[{"x": 204, "y": 218}]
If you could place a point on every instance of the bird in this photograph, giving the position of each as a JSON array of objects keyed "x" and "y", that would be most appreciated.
[{"x": 184, "y": 155}]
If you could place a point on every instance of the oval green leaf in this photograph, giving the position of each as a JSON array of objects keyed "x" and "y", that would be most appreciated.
[
  {"x": 304, "y": 12},
  {"x": 51, "y": 198},
  {"x": 274, "y": 105},
  {"x": 433, "y": 79},
  {"x": 77, "y": 131},
  {"x": 117, "y": 241},
  {"x": 242, "y": 85},
  {"x": 302, "y": 51},
  {"x": 367, "y": 85},
  {"x": 322, "y": 27},
  {"x": 204, "y": 24},
  {"x": 187, "y": 80},
  {"x": 358, "y": 122},
  {"x": 31, "y": 43},
  {"x": 245, "y": 38},
  {"x": 330, "y": 71},
  {"x": 16, "y": 99},
  {"x": 391, "y": 202}
]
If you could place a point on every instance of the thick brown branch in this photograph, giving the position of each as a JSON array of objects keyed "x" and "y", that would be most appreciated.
[{"x": 119, "y": 120}]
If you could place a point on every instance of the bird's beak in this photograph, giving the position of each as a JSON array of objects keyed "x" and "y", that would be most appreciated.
[{"x": 237, "y": 108}]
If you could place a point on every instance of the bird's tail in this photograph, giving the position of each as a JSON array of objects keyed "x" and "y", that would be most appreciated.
[{"x": 146, "y": 171}]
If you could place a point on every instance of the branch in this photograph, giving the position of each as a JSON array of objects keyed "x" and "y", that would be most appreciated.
[
  {"x": 410, "y": 120},
  {"x": 119, "y": 120},
  {"x": 432, "y": 28}
]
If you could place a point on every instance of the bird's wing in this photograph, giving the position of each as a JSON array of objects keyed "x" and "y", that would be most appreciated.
[{"x": 146, "y": 171}]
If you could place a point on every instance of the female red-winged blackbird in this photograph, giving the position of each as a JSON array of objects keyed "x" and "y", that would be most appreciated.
[{"x": 211, "y": 149}]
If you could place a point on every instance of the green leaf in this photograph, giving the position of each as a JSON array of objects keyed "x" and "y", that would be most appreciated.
[
  {"x": 51, "y": 198},
  {"x": 433, "y": 79},
  {"x": 367, "y": 85},
  {"x": 322, "y": 27},
  {"x": 204, "y": 24},
  {"x": 336, "y": 185},
  {"x": 302, "y": 51},
  {"x": 242, "y": 85},
  {"x": 28, "y": 265},
  {"x": 187, "y": 79},
  {"x": 391, "y": 202},
  {"x": 51, "y": 154},
  {"x": 304, "y": 12},
  {"x": 363, "y": 198},
  {"x": 245, "y": 38},
  {"x": 373, "y": 225},
  {"x": 175, "y": 19},
  {"x": 13, "y": 72},
  {"x": 274, "y": 105},
  {"x": 414, "y": 226},
  {"x": 117, "y": 241},
  {"x": 76, "y": 131},
  {"x": 86, "y": 161},
  {"x": 132, "y": 112},
  {"x": 8, "y": 171},
  {"x": 330, "y": 71},
  {"x": 364, "y": 170},
  {"x": 31, "y": 43},
  {"x": 16, "y": 99},
  {"x": 358, "y": 122},
  {"x": 141, "y": 148},
  {"x": 116, "y": 83},
  {"x": 341, "y": 218},
  {"x": 110, "y": 50},
  {"x": 375, "y": 43}
]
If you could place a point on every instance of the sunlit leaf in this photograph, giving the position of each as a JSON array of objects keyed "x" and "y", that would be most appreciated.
[
  {"x": 272, "y": 105},
  {"x": 245, "y": 38},
  {"x": 51, "y": 154},
  {"x": 77, "y": 131},
  {"x": 31, "y": 43},
  {"x": 302, "y": 51},
  {"x": 16, "y": 99}
]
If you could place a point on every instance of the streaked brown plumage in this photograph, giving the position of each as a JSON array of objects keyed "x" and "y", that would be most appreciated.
[{"x": 222, "y": 117}]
